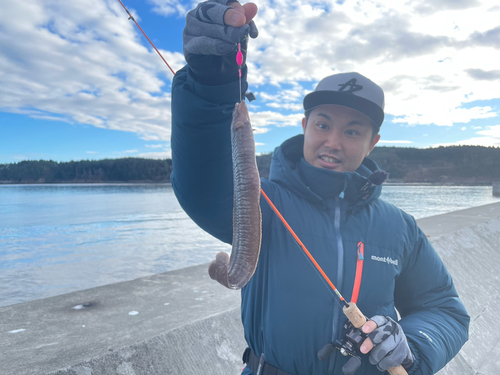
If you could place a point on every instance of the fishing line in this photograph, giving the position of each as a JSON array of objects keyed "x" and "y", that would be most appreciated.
[
  {"x": 133, "y": 19},
  {"x": 350, "y": 309},
  {"x": 309, "y": 255},
  {"x": 239, "y": 61}
]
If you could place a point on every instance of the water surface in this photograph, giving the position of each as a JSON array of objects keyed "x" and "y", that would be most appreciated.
[{"x": 56, "y": 239}]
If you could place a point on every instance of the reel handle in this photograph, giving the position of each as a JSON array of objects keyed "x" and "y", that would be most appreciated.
[{"x": 357, "y": 318}]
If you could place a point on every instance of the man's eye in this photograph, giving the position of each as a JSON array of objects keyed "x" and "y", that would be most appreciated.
[
  {"x": 352, "y": 132},
  {"x": 323, "y": 126}
]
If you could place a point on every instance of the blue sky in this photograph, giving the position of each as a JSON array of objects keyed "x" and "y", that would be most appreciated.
[{"x": 79, "y": 81}]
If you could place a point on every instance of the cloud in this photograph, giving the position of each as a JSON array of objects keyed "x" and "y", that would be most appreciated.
[
  {"x": 391, "y": 142},
  {"x": 483, "y": 75},
  {"x": 169, "y": 7},
  {"x": 492, "y": 131},
  {"x": 440, "y": 88},
  {"x": 488, "y": 38},
  {"x": 389, "y": 38},
  {"x": 285, "y": 99},
  {"x": 489, "y": 138},
  {"x": 447, "y": 117},
  {"x": 156, "y": 155},
  {"x": 165, "y": 153},
  {"x": 83, "y": 63},
  {"x": 287, "y": 106},
  {"x": 262, "y": 120},
  {"x": 421, "y": 53},
  {"x": 92, "y": 152},
  {"x": 430, "y": 6}
]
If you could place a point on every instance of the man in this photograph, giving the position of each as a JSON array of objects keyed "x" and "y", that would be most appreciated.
[{"x": 322, "y": 182}]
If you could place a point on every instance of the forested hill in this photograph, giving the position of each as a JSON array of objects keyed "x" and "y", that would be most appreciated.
[
  {"x": 457, "y": 164},
  {"x": 108, "y": 170},
  {"x": 465, "y": 164},
  {"x": 453, "y": 164}
]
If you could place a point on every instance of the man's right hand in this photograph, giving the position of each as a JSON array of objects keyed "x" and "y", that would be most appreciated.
[{"x": 212, "y": 33}]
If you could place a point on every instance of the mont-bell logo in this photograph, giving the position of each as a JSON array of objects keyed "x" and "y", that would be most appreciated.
[
  {"x": 387, "y": 260},
  {"x": 350, "y": 86}
]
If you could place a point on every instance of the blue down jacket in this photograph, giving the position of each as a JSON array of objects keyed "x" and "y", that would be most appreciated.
[{"x": 288, "y": 312}]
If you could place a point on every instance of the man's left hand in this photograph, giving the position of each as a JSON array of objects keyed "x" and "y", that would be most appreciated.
[{"x": 386, "y": 344}]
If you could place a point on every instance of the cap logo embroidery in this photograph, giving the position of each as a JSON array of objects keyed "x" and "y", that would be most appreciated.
[{"x": 350, "y": 86}]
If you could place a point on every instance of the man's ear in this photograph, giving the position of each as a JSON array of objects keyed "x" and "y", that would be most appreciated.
[
  {"x": 373, "y": 142},
  {"x": 304, "y": 124}
]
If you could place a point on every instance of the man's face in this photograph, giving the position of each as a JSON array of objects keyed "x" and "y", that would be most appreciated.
[{"x": 337, "y": 138}]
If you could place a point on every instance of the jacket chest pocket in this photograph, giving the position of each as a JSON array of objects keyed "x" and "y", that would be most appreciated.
[{"x": 380, "y": 271}]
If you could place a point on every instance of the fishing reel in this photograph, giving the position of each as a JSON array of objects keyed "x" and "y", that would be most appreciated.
[{"x": 349, "y": 345}]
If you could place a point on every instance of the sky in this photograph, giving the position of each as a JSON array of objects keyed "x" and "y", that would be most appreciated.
[{"x": 79, "y": 81}]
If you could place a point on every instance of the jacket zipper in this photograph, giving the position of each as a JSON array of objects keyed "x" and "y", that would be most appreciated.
[{"x": 340, "y": 277}]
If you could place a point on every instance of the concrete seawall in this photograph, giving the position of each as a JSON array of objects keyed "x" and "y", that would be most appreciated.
[
  {"x": 496, "y": 188},
  {"x": 181, "y": 322}
]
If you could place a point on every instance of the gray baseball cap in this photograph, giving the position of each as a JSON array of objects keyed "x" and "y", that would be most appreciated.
[{"x": 349, "y": 90}]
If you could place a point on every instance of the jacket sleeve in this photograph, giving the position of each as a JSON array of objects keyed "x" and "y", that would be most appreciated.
[
  {"x": 201, "y": 152},
  {"x": 433, "y": 318}
]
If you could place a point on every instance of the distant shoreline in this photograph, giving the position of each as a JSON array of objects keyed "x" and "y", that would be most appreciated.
[
  {"x": 443, "y": 166},
  {"x": 387, "y": 183},
  {"x": 87, "y": 183}
]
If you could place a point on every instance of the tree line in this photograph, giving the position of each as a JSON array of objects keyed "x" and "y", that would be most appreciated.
[
  {"x": 464, "y": 164},
  {"x": 454, "y": 164},
  {"x": 107, "y": 170}
]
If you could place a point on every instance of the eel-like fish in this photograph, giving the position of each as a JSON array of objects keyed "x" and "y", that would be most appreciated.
[{"x": 234, "y": 272}]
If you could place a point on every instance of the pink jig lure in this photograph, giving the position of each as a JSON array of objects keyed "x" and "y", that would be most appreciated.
[{"x": 239, "y": 61}]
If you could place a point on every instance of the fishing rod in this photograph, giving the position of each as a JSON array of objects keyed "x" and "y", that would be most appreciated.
[
  {"x": 344, "y": 304},
  {"x": 239, "y": 61},
  {"x": 350, "y": 309},
  {"x": 130, "y": 17},
  {"x": 355, "y": 336}
]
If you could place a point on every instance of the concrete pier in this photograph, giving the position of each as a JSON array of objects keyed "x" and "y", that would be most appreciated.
[
  {"x": 496, "y": 188},
  {"x": 181, "y": 322}
]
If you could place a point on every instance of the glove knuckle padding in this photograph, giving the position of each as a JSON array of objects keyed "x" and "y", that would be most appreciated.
[
  {"x": 210, "y": 12},
  {"x": 202, "y": 46},
  {"x": 390, "y": 344},
  {"x": 385, "y": 328},
  {"x": 206, "y": 34}
]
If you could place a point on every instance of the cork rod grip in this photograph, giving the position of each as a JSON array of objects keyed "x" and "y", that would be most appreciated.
[{"x": 357, "y": 318}]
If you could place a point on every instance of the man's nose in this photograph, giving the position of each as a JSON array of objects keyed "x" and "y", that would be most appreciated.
[{"x": 333, "y": 141}]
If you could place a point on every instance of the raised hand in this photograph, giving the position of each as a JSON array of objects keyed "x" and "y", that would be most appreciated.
[{"x": 213, "y": 30}]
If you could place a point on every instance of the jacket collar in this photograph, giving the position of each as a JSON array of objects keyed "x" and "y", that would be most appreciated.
[{"x": 289, "y": 168}]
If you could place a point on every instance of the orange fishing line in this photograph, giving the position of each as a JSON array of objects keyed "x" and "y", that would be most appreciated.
[
  {"x": 132, "y": 18},
  {"x": 309, "y": 255}
]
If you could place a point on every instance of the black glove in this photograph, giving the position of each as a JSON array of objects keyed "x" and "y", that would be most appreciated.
[
  {"x": 210, "y": 46},
  {"x": 390, "y": 347}
]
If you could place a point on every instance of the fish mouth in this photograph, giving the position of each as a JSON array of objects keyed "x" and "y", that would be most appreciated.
[{"x": 240, "y": 113}]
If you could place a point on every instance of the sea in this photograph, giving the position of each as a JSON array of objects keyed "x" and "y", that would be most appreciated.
[{"x": 60, "y": 238}]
